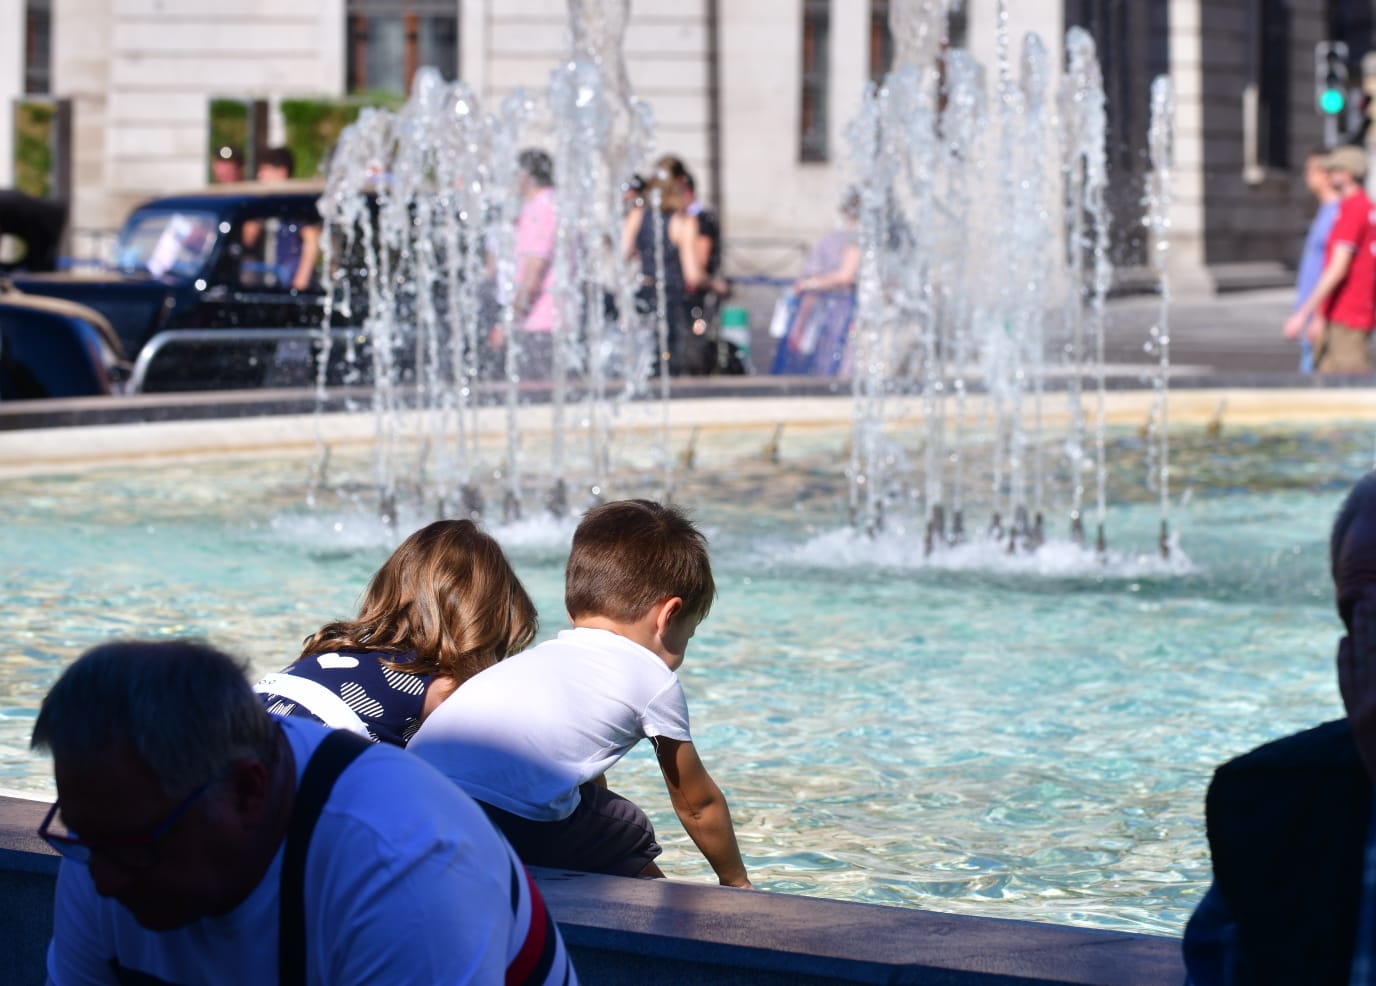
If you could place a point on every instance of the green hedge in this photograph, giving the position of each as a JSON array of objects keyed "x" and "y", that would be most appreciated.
[
  {"x": 33, "y": 148},
  {"x": 313, "y": 125}
]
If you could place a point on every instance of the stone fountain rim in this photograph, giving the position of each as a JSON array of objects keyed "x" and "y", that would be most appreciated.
[{"x": 62, "y": 443}]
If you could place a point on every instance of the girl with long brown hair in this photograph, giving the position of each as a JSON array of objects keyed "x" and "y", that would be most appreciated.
[{"x": 443, "y": 607}]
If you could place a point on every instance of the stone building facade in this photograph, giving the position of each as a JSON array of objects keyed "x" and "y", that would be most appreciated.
[{"x": 754, "y": 96}]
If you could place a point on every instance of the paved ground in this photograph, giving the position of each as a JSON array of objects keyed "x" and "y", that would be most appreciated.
[
  {"x": 1236, "y": 333},
  {"x": 1213, "y": 336}
]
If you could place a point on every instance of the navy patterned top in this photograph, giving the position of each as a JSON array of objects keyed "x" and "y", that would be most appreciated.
[{"x": 350, "y": 690}]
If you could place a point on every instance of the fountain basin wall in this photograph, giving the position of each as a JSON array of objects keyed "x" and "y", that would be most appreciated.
[
  {"x": 622, "y": 930},
  {"x": 27, "y": 450}
]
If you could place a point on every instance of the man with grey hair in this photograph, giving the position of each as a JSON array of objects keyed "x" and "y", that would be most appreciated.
[
  {"x": 1290, "y": 824},
  {"x": 204, "y": 841}
]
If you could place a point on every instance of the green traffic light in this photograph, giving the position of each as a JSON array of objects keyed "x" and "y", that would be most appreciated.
[{"x": 1332, "y": 101}]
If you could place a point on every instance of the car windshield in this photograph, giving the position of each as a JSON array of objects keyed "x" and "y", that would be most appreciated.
[{"x": 166, "y": 242}]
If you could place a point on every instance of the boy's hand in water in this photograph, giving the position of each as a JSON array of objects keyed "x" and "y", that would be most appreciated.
[{"x": 1357, "y": 680}]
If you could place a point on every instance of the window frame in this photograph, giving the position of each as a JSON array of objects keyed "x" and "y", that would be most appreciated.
[
  {"x": 814, "y": 138},
  {"x": 38, "y": 47},
  {"x": 423, "y": 23}
]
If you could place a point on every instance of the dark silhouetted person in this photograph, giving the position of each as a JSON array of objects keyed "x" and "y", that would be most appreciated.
[{"x": 1291, "y": 824}]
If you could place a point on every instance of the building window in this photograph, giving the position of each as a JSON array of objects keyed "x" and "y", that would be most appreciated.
[
  {"x": 816, "y": 72},
  {"x": 881, "y": 41},
  {"x": 1273, "y": 84},
  {"x": 958, "y": 28},
  {"x": 389, "y": 39},
  {"x": 38, "y": 20},
  {"x": 881, "y": 37}
]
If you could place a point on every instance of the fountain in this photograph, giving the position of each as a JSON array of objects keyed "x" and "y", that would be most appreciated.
[
  {"x": 984, "y": 268},
  {"x": 962, "y": 324},
  {"x": 442, "y": 179}
]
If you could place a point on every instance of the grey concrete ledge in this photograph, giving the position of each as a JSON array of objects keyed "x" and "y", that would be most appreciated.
[
  {"x": 692, "y": 933},
  {"x": 231, "y": 404},
  {"x": 623, "y": 930}
]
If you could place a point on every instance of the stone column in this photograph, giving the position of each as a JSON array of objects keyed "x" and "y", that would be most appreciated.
[
  {"x": 1187, "y": 270},
  {"x": 11, "y": 81},
  {"x": 81, "y": 71}
]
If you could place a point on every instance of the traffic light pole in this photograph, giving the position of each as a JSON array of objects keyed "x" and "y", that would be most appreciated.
[{"x": 1330, "y": 88}]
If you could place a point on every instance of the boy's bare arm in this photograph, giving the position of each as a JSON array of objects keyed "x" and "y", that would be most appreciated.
[{"x": 702, "y": 809}]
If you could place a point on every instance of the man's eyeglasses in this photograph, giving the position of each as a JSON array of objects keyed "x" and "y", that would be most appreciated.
[{"x": 135, "y": 853}]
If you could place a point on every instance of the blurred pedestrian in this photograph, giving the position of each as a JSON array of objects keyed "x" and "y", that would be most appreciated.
[
  {"x": 701, "y": 352},
  {"x": 666, "y": 247},
  {"x": 227, "y": 165},
  {"x": 1340, "y": 310},
  {"x": 532, "y": 287},
  {"x": 296, "y": 248},
  {"x": 817, "y": 314},
  {"x": 1315, "y": 242},
  {"x": 834, "y": 262}
]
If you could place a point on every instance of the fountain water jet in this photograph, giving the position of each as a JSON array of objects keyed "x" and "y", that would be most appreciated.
[
  {"x": 1160, "y": 136},
  {"x": 419, "y": 213},
  {"x": 980, "y": 265}
]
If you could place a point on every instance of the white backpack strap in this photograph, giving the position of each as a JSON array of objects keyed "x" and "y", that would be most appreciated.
[{"x": 315, "y": 698}]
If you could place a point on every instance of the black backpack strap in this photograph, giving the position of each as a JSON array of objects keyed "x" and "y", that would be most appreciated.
[
  {"x": 335, "y": 753},
  {"x": 132, "y": 977}
]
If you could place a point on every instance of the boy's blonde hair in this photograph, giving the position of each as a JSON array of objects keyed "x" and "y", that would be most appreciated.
[
  {"x": 448, "y": 595},
  {"x": 629, "y": 555}
]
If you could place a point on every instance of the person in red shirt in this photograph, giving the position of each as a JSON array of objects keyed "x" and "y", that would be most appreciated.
[{"x": 1341, "y": 309}]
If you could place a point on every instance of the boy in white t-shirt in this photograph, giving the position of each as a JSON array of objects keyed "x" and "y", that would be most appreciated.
[{"x": 532, "y": 737}]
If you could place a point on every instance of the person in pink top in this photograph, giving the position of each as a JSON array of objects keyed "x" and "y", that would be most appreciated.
[
  {"x": 532, "y": 300},
  {"x": 1341, "y": 308}
]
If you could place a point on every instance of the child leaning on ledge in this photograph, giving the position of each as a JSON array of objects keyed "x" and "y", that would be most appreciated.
[{"x": 532, "y": 737}]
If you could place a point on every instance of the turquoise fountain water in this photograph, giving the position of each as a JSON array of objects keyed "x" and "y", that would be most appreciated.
[{"x": 1025, "y": 736}]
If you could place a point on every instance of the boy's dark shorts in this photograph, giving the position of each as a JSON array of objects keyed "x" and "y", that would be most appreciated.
[{"x": 605, "y": 834}]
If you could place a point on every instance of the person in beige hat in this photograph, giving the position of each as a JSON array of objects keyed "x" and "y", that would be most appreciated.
[{"x": 1340, "y": 311}]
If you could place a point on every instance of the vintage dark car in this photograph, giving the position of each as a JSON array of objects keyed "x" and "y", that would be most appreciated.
[{"x": 199, "y": 295}]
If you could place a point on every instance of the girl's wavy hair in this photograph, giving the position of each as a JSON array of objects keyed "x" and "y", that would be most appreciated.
[{"x": 448, "y": 596}]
